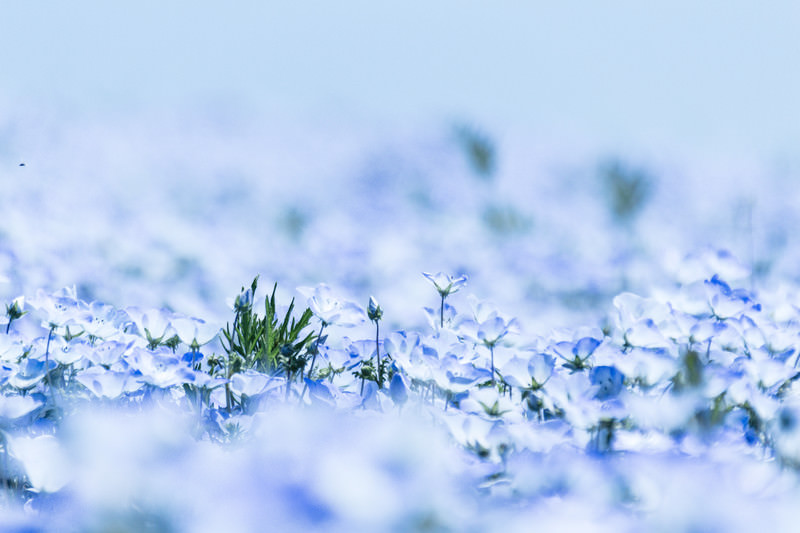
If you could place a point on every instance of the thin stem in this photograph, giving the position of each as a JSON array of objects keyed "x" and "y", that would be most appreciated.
[
  {"x": 441, "y": 314},
  {"x": 47, "y": 357},
  {"x": 313, "y": 359},
  {"x": 8, "y": 325},
  {"x": 228, "y": 393},
  {"x": 378, "y": 353},
  {"x": 491, "y": 351}
]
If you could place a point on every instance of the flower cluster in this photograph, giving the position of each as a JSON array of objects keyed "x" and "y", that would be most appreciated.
[{"x": 614, "y": 421}]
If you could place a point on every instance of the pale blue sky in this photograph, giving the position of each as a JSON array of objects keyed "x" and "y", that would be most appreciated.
[{"x": 712, "y": 73}]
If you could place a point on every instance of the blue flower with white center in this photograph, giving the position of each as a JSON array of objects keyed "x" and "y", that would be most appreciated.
[
  {"x": 726, "y": 302},
  {"x": 103, "y": 383},
  {"x": 331, "y": 310},
  {"x": 108, "y": 353},
  {"x": 194, "y": 332},
  {"x": 159, "y": 368},
  {"x": 59, "y": 309},
  {"x": 15, "y": 407},
  {"x": 576, "y": 354},
  {"x": 152, "y": 324},
  {"x": 608, "y": 380},
  {"x": 446, "y": 284},
  {"x": 540, "y": 367},
  {"x": 398, "y": 389}
]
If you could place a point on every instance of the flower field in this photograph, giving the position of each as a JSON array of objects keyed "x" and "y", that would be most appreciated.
[{"x": 442, "y": 331}]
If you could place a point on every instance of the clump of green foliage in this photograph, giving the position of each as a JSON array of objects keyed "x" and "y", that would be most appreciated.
[{"x": 267, "y": 343}]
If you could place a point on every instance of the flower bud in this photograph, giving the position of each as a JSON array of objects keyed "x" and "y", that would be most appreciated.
[
  {"x": 243, "y": 301},
  {"x": 374, "y": 311}
]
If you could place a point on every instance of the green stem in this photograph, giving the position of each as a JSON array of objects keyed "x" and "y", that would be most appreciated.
[
  {"x": 378, "y": 353},
  {"x": 491, "y": 351},
  {"x": 441, "y": 313},
  {"x": 228, "y": 373},
  {"x": 313, "y": 359},
  {"x": 47, "y": 357}
]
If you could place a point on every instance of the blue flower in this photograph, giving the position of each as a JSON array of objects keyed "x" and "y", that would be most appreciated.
[
  {"x": 726, "y": 302},
  {"x": 398, "y": 390},
  {"x": 329, "y": 309},
  {"x": 445, "y": 283},
  {"x": 609, "y": 381}
]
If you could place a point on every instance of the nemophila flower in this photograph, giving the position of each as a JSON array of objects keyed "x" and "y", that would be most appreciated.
[
  {"x": 644, "y": 333},
  {"x": 46, "y": 465},
  {"x": 31, "y": 372},
  {"x": 494, "y": 329},
  {"x": 11, "y": 348},
  {"x": 470, "y": 431},
  {"x": 329, "y": 309},
  {"x": 102, "y": 321},
  {"x": 6, "y": 371},
  {"x": 726, "y": 302},
  {"x": 573, "y": 394},
  {"x": 194, "y": 332},
  {"x": 632, "y": 309},
  {"x": 766, "y": 371},
  {"x": 515, "y": 373},
  {"x": 68, "y": 353},
  {"x": 108, "y": 353},
  {"x": 402, "y": 346},
  {"x": 418, "y": 365},
  {"x": 784, "y": 429},
  {"x": 104, "y": 383},
  {"x": 249, "y": 383},
  {"x": 13, "y": 407},
  {"x": 576, "y": 354},
  {"x": 488, "y": 402},
  {"x": 361, "y": 350},
  {"x": 702, "y": 265},
  {"x": 193, "y": 359},
  {"x": 398, "y": 389},
  {"x": 370, "y": 397},
  {"x": 437, "y": 318},
  {"x": 705, "y": 329},
  {"x": 647, "y": 367},
  {"x": 159, "y": 368},
  {"x": 58, "y": 309},
  {"x": 540, "y": 368},
  {"x": 155, "y": 325},
  {"x": 446, "y": 284},
  {"x": 751, "y": 334},
  {"x": 609, "y": 381},
  {"x": 451, "y": 373},
  {"x": 742, "y": 422},
  {"x": 322, "y": 394}
]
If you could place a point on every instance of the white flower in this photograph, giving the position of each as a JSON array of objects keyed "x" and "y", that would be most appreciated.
[
  {"x": 445, "y": 283},
  {"x": 331, "y": 310}
]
